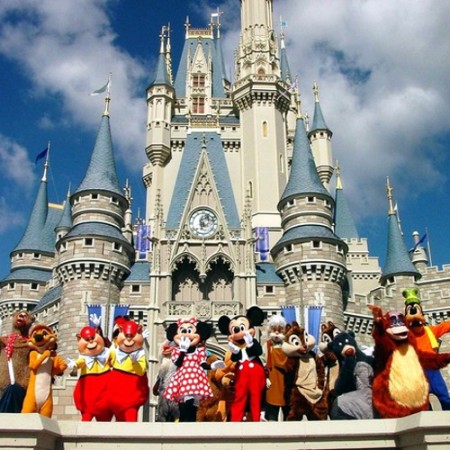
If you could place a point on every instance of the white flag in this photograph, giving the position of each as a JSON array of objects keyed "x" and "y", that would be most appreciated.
[{"x": 102, "y": 89}]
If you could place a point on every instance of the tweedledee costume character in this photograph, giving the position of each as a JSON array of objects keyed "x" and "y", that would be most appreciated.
[
  {"x": 426, "y": 339},
  {"x": 400, "y": 387},
  {"x": 94, "y": 362},
  {"x": 275, "y": 366},
  {"x": 305, "y": 376},
  {"x": 128, "y": 383},
  {"x": 190, "y": 383},
  {"x": 14, "y": 368},
  {"x": 250, "y": 376},
  {"x": 352, "y": 391},
  {"x": 44, "y": 365}
]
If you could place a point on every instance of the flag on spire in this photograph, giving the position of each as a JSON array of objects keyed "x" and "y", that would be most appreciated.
[
  {"x": 102, "y": 89},
  {"x": 40, "y": 156}
]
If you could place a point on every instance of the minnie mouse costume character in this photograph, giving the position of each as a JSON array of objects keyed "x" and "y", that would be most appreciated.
[
  {"x": 250, "y": 379},
  {"x": 190, "y": 383}
]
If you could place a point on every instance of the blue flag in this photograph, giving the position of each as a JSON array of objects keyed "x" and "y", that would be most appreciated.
[{"x": 40, "y": 156}]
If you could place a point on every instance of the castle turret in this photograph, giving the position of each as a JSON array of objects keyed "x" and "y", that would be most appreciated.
[
  {"x": 320, "y": 137},
  {"x": 309, "y": 257},
  {"x": 263, "y": 98},
  {"x": 418, "y": 253},
  {"x": 32, "y": 257},
  {"x": 94, "y": 257},
  {"x": 398, "y": 272}
]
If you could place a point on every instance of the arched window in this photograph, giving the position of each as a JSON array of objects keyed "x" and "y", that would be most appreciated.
[{"x": 265, "y": 129}]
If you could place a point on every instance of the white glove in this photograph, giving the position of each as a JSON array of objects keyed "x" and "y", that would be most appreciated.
[
  {"x": 218, "y": 365},
  {"x": 268, "y": 383},
  {"x": 95, "y": 319},
  {"x": 248, "y": 338},
  {"x": 71, "y": 364},
  {"x": 145, "y": 334},
  {"x": 184, "y": 344},
  {"x": 233, "y": 348}
]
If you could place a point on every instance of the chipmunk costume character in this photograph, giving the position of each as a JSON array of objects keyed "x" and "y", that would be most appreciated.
[
  {"x": 400, "y": 387},
  {"x": 44, "y": 365},
  {"x": 305, "y": 376},
  {"x": 250, "y": 376},
  {"x": 94, "y": 362},
  {"x": 426, "y": 339},
  {"x": 190, "y": 383}
]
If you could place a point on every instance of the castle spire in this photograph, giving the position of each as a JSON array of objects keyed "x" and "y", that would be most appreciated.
[
  {"x": 398, "y": 262},
  {"x": 344, "y": 225},
  {"x": 101, "y": 173}
]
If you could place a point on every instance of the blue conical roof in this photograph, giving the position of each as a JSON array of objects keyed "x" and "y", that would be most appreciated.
[
  {"x": 66, "y": 217},
  {"x": 32, "y": 238},
  {"x": 303, "y": 178},
  {"x": 161, "y": 75},
  {"x": 398, "y": 261},
  {"x": 284, "y": 64},
  {"x": 318, "y": 120},
  {"x": 101, "y": 173},
  {"x": 344, "y": 225}
]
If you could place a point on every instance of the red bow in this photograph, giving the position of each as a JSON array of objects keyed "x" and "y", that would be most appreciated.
[{"x": 192, "y": 321}]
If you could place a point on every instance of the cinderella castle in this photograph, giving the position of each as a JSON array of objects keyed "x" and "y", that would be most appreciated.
[{"x": 240, "y": 211}]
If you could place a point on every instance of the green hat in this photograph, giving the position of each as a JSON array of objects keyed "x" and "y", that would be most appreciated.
[{"x": 411, "y": 296}]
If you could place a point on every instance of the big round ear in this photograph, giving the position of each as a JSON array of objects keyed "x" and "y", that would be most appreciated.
[
  {"x": 223, "y": 323},
  {"x": 256, "y": 316},
  {"x": 171, "y": 331},
  {"x": 204, "y": 330}
]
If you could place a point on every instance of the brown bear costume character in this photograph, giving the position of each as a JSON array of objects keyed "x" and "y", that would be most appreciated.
[
  {"x": 400, "y": 386},
  {"x": 14, "y": 370},
  {"x": 305, "y": 376}
]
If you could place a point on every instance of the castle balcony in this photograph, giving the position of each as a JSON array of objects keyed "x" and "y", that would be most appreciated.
[{"x": 201, "y": 309}]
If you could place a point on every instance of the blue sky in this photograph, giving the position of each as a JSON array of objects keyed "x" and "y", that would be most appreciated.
[{"x": 382, "y": 67}]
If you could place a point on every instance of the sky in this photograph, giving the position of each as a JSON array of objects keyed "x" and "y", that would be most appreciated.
[{"x": 383, "y": 70}]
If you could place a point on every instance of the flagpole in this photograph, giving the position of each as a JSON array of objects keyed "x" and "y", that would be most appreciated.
[
  {"x": 47, "y": 157},
  {"x": 108, "y": 97},
  {"x": 430, "y": 261}
]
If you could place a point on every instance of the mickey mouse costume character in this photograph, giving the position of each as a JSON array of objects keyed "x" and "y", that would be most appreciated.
[
  {"x": 190, "y": 383},
  {"x": 250, "y": 379}
]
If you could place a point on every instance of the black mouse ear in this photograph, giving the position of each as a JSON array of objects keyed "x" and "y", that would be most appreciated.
[
  {"x": 223, "y": 323},
  {"x": 171, "y": 331},
  {"x": 256, "y": 316},
  {"x": 204, "y": 330}
]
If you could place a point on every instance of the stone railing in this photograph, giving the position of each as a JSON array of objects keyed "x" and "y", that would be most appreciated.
[
  {"x": 203, "y": 310},
  {"x": 422, "y": 431}
]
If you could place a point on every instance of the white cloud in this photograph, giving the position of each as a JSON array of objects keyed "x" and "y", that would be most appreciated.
[
  {"x": 67, "y": 49},
  {"x": 383, "y": 70},
  {"x": 16, "y": 166}
]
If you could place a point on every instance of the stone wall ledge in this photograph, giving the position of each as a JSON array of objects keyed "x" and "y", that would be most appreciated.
[{"x": 426, "y": 430}]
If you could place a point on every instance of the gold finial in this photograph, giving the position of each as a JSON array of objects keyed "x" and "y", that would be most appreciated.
[
  {"x": 187, "y": 26},
  {"x": 338, "y": 176},
  {"x": 389, "y": 196},
  {"x": 162, "y": 37},
  {"x": 316, "y": 92},
  {"x": 307, "y": 122},
  {"x": 108, "y": 96}
]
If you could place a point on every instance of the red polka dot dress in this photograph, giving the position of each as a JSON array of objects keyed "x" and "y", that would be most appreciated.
[{"x": 190, "y": 380}]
